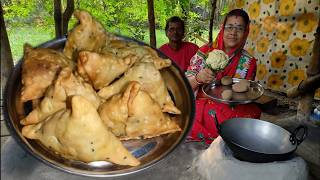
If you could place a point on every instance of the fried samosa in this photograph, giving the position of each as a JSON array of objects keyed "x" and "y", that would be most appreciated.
[
  {"x": 88, "y": 35},
  {"x": 114, "y": 112},
  {"x": 40, "y": 67},
  {"x": 66, "y": 85},
  {"x": 51, "y": 103},
  {"x": 80, "y": 134},
  {"x": 73, "y": 84},
  {"x": 102, "y": 69},
  {"x": 151, "y": 81},
  {"x": 133, "y": 114},
  {"x": 123, "y": 48}
]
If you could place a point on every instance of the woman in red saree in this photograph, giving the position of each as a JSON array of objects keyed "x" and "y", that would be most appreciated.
[{"x": 231, "y": 39}]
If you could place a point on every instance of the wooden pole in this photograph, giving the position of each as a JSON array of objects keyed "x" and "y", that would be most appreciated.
[
  {"x": 305, "y": 104},
  {"x": 213, "y": 10},
  {"x": 57, "y": 18},
  {"x": 307, "y": 86},
  {"x": 67, "y": 15},
  {"x": 62, "y": 19},
  {"x": 152, "y": 27},
  {"x": 6, "y": 56},
  {"x": 314, "y": 66}
]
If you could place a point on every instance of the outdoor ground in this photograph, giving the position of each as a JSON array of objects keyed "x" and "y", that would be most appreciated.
[{"x": 282, "y": 114}]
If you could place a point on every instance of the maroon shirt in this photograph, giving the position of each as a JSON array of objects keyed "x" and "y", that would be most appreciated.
[{"x": 182, "y": 56}]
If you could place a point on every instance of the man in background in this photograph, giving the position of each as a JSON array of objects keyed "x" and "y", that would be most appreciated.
[{"x": 178, "y": 50}]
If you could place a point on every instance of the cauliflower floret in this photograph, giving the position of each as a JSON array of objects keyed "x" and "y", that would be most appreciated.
[{"x": 217, "y": 60}]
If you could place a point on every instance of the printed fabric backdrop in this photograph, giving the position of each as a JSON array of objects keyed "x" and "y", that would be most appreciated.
[{"x": 281, "y": 38}]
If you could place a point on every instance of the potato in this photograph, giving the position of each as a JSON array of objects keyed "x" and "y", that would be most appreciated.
[
  {"x": 241, "y": 86},
  {"x": 226, "y": 94},
  {"x": 244, "y": 81},
  {"x": 226, "y": 80}
]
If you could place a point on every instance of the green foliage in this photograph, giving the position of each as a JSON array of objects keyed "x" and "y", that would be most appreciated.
[
  {"x": 18, "y": 36},
  {"x": 34, "y": 12},
  {"x": 33, "y": 35},
  {"x": 129, "y": 16},
  {"x": 195, "y": 25},
  {"x": 18, "y": 11},
  {"x": 125, "y": 17},
  {"x": 225, "y": 10},
  {"x": 47, "y": 10}
]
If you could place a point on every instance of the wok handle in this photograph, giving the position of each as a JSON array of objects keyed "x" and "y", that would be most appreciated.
[
  {"x": 295, "y": 139},
  {"x": 214, "y": 115}
]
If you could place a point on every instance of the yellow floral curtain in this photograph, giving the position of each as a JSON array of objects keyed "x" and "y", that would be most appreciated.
[{"x": 281, "y": 38}]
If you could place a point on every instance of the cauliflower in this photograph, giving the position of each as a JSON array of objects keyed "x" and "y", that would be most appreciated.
[{"x": 217, "y": 60}]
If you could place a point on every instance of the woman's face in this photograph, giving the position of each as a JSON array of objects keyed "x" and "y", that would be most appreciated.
[{"x": 233, "y": 32}]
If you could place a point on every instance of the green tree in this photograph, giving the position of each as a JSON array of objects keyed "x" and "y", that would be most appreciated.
[{"x": 126, "y": 17}]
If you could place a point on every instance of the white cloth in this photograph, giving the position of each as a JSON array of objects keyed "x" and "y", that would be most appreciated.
[{"x": 218, "y": 163}]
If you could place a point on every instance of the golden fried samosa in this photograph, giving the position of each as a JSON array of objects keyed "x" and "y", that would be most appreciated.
[
  {"x": 40, "y": 67},
  {"x": 102, "y": 69},
  {"x": 73, "y": 84},
  {"x": 80, "y": 134},
  {"x": 88, "y": 35},
  {"x": 151, "y": 81},
  {"x": 114, "y": 112},
  {"x": 146, "y": 117},
  {"x": 51, "y": 103},
  {"x": 67, "y": 84},
  {"x": 145, "y": 54},
  {"x": 133, "y": 114}
]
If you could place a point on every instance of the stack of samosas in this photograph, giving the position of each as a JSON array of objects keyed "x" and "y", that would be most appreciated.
[{"x": 98, "y": 91}]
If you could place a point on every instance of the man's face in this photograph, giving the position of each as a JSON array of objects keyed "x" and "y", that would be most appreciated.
[{"x": 175, "y": 31}]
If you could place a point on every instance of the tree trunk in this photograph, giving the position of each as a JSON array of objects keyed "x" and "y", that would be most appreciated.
[
  {"x": 6, "y": 56},
  {"x": 152, "y": 27},
  {"x": 62, "y": 19},
  {"x": 57, "y": 18},
  {"x": 67, "y": 15},
  {"x": 213, "y": 10}
]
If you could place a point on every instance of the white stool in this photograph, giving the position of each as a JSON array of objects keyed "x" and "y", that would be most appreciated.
[{"x": 218, "y": 163}]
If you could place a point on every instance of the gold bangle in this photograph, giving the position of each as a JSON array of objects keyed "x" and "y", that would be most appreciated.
[{"x": 195, "y": 78}]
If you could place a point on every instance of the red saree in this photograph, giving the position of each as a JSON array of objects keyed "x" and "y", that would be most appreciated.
[{"x": 241, "y": 65}]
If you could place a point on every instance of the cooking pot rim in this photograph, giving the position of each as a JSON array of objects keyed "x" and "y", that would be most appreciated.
[
  {"x": 229, "y": 140},
  {"x": 248, "y": 149}
]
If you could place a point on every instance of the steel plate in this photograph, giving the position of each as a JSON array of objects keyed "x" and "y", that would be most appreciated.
[
  {"x": 149, "y": 151},
  {"x": 214, "y": 91}
]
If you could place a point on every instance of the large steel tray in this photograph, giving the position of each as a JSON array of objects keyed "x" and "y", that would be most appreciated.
[{"x": 149, "y": 151}]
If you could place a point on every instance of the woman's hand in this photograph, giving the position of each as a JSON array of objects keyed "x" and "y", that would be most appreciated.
[{"x": 205, "y": 76}]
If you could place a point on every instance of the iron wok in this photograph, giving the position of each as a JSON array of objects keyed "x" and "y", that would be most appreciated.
[{"x": 258, "y": 141}]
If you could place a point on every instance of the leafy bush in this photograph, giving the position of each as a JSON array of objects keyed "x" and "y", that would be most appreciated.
[{"x": 126, "y": 17}]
